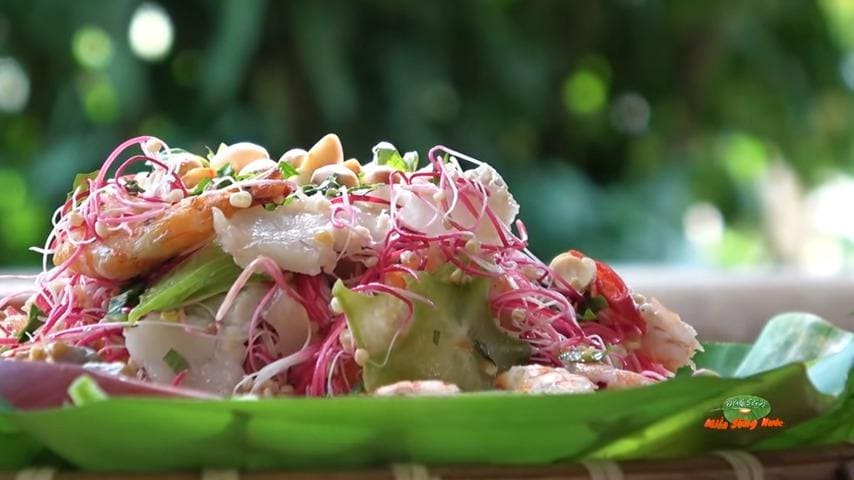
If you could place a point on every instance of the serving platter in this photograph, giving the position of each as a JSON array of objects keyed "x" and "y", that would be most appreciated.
[{"x": 800, "y": 365}]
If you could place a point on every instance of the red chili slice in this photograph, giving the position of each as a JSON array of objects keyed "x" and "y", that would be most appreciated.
[{"x": 616, "y": 293}]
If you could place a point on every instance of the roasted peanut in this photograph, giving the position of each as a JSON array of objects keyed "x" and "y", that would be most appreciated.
[
  {"x": 196, "y": 175},
  {"x": 238, "y": 155},
  {"x": 342, "y": 174},
  {"x": 327, "y": 151}
]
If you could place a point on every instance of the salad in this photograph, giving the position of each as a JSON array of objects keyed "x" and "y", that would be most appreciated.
[{"x": 233, "y": 273}]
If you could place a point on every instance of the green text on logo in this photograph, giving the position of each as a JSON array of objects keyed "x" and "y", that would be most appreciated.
[{"x": 746, "y": 407}]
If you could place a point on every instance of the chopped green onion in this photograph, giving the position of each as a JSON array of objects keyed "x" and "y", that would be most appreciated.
[
  {"x": 85, "y": 390},
  {"x": 33, "y": 323},
  {"x": 597, "y": 303},
  {"x": 225, "y": 171},
  {"x": 201, "y": 186},
  {"x": 117, "y": 304},
  {"x": 82, "y": 180},
  {"x": 287, "y": 170},
  {"x": 176, "y": 361}
]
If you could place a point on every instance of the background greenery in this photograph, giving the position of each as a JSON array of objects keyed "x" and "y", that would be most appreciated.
[{"x": 635, "y": 130}]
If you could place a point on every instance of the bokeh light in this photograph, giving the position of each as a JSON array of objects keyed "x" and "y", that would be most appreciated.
[
  {"x": 14, "y": 86},
  {"x": 745, "y": 157},
  {"x": 100, "y": 99},
  {"x": 151, "y": 32},
  {"x": 630, "y": 113},
  {"x": 670, "y": 124},
  {"x": 704, "y": 224},
  {"x": 92, "y": 47},
  {"x": 830, "y": 208},
  {"x": 584, "y": 92}
]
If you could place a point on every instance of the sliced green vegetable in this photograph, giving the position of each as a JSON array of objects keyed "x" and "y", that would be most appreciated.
[
  {"x": 118, "y": 304},
  {"x": 597, "y": 303},
  {"x": 206, "y": 273},
  {"x": 201, "y": 186},
  {"x": 34, "y": 321},
  {"x": 176, "y": 361},
  {"x": 287, "y": 170},
  {"x": 85, "y": 390},
  {"x": 82, "y": 180},
  {"x": 457, "y": 340}
]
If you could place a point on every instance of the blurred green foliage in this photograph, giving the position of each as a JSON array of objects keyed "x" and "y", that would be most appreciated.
[{"x": 608, "y": 119}]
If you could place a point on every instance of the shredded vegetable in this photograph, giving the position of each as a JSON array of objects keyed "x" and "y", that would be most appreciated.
[{"x": 273, "y": 322}]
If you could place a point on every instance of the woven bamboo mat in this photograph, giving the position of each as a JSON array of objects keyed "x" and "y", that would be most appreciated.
[{"x": 828, "y": 463}]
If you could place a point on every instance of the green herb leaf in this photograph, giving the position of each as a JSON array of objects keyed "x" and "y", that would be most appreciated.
[
  {"x": 176, "y": 361},
  {"x": 82, "y": 180},
  {"x": 33, "y": 323},
  {"x": 410, "y": 159},
  {"x": 85, "y": 390},
  {"x": 201, "y": 186},
  {"x": 287, "y": 170},
  {"x": 206, "y": 273},
  {"x": 133, "y": 187},
  {"x": 597, "y": 303},
  {"x": 117, "y": 304},
  {"x": 397, "y": 163},
  {"x": 383, "y": 152},
  {"x": 386, "y": 154},
  {"x": 225, "y": 171},
  {"x": 589, "y": 315}
]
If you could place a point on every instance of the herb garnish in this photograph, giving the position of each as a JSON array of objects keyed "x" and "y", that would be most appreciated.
[
  {"x": 33, "y": 323},
  {"x": 176, "y": 361}
]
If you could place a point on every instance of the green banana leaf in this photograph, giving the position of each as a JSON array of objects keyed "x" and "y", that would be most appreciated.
[{"x": 814, "y": 397}]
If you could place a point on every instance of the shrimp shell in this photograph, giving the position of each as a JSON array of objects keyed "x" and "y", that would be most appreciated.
[{"x": 184, "y": 227}]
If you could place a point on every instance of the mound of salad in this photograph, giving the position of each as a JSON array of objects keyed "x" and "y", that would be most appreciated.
[{"x": 233, "y": 273}]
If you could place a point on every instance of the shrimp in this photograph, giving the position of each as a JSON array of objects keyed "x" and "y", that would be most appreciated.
[
  {"x": 611, "y": 377},
  {"x": 542, "y": 379},
  {"x": 184, "y": 226},
  {"x": 668, "y": 340},
  {"x": 417, "y": 388}
]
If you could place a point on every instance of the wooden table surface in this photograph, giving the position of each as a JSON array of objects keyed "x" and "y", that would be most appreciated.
[{"x": 828, "y": 463}]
